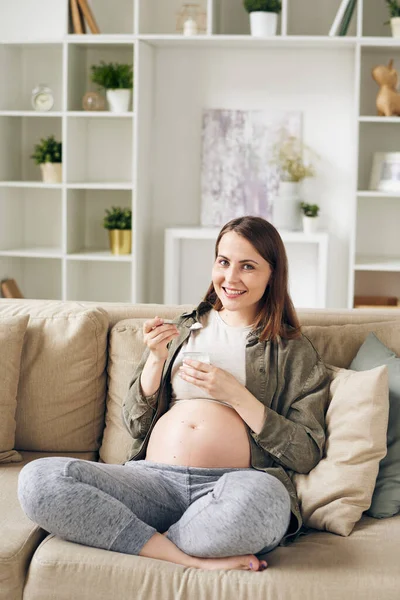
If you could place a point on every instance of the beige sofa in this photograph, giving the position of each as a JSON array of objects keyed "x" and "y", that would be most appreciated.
[{"x": 74, "y": 370}]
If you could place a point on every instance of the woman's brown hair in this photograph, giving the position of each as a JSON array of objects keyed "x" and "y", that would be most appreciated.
[{"x": 277, "y": 315}]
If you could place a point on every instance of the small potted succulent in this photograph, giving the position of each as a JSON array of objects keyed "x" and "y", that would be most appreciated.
[
  {"x": 263, "y": 16},
  {"x": 48, "y": 154},
  {"x": 117, "y": 80},
  {"x": 118, "y": 221},
  {"x": 394, "y": 11},
  {"x": 310, "y": 217}
]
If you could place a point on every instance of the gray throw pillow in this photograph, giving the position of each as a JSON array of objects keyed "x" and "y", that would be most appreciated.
[{"x": 386, "y": 497}]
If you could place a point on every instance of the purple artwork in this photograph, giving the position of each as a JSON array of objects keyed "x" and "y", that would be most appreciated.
[{"x": 237, "y": 177}]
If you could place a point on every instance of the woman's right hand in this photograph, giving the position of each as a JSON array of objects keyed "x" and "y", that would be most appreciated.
[{"x": 157, "y": 335}]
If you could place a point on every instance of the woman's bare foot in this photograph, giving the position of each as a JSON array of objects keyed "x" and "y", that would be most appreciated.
[
  {"x": 248, "y": 562},
  {"x": 159, "y": 546}
]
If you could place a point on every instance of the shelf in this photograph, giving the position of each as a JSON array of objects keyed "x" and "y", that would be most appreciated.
[
  {"x": 377, "y": 263},
  {"x": 31, "y": 184},
  {"x": 376, "y": 194},
  {"x": 247, "y": 41},
  {"x": 99, "y": 114},
  {"x": 33, "y": 252},
  {"x": 29, "y": 113},
  {"x": 103, "y": 255},
  {"x": 211, "y": 233},
  {"x": 379, "y": 42},
  {"x": 101, "y": 185},
  {"x": 379, "y": 120},
  {"x": 100, "y": 38}
]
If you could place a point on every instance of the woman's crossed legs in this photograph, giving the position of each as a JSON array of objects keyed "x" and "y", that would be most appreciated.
[{"x": 213, "y": 518}]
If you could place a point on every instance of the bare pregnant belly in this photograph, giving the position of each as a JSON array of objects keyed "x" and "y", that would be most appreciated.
[{"x": 199, "y": 433}]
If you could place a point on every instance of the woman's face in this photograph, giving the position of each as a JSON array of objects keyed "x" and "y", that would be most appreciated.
[{"x": 240, "y": 275}]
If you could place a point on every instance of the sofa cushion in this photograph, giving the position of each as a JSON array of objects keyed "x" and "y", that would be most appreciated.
[
  {"x": 61, "y": 394},
  {"x": 126, "y": 347},
  {"x": 363, "y": 566},
  {"x": 19, "y": 536},
  {"x": 335, "y": 493},
  {"x": 386, "y": 498},
  {"x": 338, "y": 344},
  {"x": 12, "y": 331}
]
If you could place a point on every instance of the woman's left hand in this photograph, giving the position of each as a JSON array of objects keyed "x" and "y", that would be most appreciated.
[{"x": 219, "y": 384}]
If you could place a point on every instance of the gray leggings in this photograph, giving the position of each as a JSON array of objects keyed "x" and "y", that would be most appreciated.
[{"x": 207, "y": 512}]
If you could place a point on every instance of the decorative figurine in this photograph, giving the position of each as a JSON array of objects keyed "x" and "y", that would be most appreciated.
[{"x": 388, "y": 98}]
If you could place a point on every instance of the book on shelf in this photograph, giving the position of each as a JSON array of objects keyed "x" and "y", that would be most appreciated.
[
  {"x": 339, "y": 17},
  {"x": 81, "y": 11},
  {"x": 348, "y": 14},
  {"x": 10, "y": 289}
]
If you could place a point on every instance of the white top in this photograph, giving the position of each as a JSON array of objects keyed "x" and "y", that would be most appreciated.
[{"x": 225, "y": 346}]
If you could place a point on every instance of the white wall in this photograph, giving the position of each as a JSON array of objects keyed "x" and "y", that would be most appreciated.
[{"x": 318, "y": 82}]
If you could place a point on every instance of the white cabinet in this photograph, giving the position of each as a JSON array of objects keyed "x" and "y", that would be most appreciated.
[
  {"x": 51, "y": 236},
  {"x": 189, "y": 256}
]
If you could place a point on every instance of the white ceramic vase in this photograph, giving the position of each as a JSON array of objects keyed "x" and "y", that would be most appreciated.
[
  {"x": 286, "y": 206},
  {"x": 263, "y": 24},
  {"x": 51, "y": 172},
  {"x": 310, "y": 224},
  {"x": 395, "y": 26},
  {"x": 118, "y": 100}
]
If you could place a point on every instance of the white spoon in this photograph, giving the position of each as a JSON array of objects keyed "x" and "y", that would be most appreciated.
[{"x": 192, "y": 327}]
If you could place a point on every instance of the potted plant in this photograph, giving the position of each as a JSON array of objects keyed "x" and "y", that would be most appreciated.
[
  {"x": 394, "y": 11},
  {"x": 293, "y": 168},
  {"x": 263, "y": 16},
  {"x": 117, "y": 80},
  {"x": 118, "y": 221},
  {"x": 48, "y": 154},
  {"x": 310, "y": 217}
]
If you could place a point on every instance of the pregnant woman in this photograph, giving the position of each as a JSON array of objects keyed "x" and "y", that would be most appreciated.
[{"x": 216, "y": 439}]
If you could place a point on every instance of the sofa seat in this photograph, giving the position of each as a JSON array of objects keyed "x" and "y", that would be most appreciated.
[
  {"x": 19, "y": 536},
  {"x": 318, "y": 565}
]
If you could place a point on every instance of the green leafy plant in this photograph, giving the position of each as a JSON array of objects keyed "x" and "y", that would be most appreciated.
[
  {"x": 112, "y": 76},
  {"x": 309, "y": 210},
  {"x": 394, "y": 8},
  {"x": 288, "y": 155},
  {"x": 49, "y": 150},
  {"x": 274, "y": 6},
  {"x": 118, "y": 218}
]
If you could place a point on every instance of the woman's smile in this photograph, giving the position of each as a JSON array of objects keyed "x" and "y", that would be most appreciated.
[{"x": 233, "y": 293}]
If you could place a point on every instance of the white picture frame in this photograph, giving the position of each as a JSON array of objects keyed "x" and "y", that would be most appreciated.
[{"x": 385, "y": 173}]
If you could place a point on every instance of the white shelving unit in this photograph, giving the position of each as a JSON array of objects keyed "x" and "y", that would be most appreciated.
[
  {"x": 51, "y": 236},
  {"x": 189, "y": 254}
]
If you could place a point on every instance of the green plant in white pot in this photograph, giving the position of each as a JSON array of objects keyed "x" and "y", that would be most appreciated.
[
  {"x": 263, "y": 16},
  {"x": 310, "y": 217},
  {"x": 293, "y": 166},
  {"x": 48, "y": 154},
  {"x": 117, "y": 80},
  {"x": 394, "y": 11}
]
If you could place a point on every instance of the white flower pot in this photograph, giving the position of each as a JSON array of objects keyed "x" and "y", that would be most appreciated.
[
  {"x": 118, "y": 100},
  {"x": 286, "y": 206},
  {"x": 51, "y": 172},
  {"x": 263, "y": 24},
  {"x": 395, "y": 26},
  {"x": 310, "y": 224}
]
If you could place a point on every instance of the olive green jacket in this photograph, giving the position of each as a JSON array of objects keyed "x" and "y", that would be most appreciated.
[{"x": 287, "y": 376}]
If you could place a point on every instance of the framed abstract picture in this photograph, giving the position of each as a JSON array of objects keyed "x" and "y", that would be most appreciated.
[{"x": 238, "y": 176}]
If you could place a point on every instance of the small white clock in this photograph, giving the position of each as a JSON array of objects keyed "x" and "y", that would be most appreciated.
[{"x": 42, "y": 98}]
